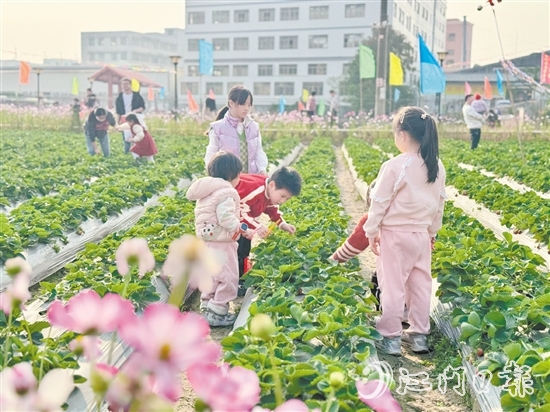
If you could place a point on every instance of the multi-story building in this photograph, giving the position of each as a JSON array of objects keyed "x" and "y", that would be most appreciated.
[
  {"x": 458, "y": 44},
  {"x": 279, "y": 47},
  {"x": 128, "y": 48}
]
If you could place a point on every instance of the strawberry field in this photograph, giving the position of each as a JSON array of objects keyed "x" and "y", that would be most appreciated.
[{"x": 111, "y": 334}]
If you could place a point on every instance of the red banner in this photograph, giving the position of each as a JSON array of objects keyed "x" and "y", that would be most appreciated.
[{"x": 544, "y": 68}]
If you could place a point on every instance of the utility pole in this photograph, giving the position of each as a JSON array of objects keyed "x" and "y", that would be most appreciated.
[
  {"x": 381, "y": 61},
  {"x": 464, "y": 39}
]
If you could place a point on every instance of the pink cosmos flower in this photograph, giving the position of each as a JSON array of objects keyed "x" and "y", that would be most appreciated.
[
  {"x": 17, "y": 265},
  {"x": 377, "y": 396},
  {"x": 191, "y": 255},
  {"x": 224, "y": 389},
  {"x": 16, "y": 294},
  {"x": 19, "y": 390},
  {"x": 134, "y": 252},
  {"x": 101, "y": 376},
  {"x": 292, "y": 405},
  {"x": 169, "y": 341},
  {"x": 88, "y": 314},
  {"x": 89, "y": 346}
]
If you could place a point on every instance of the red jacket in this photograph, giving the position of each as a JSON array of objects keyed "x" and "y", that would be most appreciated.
[{"x": 252, "y": 190}]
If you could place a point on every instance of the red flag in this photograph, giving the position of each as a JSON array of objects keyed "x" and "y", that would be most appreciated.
[
  {"x": 150, "y": 94},
  {"x": 467, "y": 88},
  {"x": 487, "y": 90},
  {"x": 301, "y": 106},
  {"x": 544, "y": 68},
  {"x": 193, "y": 106},
  {"x": 24, "y": 72},
  {"x": 211, "y": 94}
]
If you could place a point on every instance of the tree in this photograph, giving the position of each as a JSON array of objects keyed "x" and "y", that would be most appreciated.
[{"x": 397, "y": 44}]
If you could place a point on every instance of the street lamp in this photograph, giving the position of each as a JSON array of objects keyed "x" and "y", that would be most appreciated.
[
  {"x": 38, "y": 71},
  {"x": 441, "y": 57},
  {"x": 175, "y": 60}
]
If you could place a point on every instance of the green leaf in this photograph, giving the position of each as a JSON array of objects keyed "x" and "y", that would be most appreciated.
[
  {"x": 474, "y": 319},
  {"x": 507, "y": 236},
  {"x": 467, "y": 330},
  {"x": 496, "y": 318}
]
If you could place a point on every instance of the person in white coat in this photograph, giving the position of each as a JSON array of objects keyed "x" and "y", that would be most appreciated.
[{"x": 473, "y": 120}]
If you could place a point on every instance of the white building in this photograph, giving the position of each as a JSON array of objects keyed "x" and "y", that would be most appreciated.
[{"x": 278, "y": 47}]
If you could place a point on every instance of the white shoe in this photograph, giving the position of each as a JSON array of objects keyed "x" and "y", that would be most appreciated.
[
  {"x": 389, "y": 346},
  {"x": 418, "y": 343}
]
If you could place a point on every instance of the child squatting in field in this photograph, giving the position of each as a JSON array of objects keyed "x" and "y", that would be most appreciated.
[{"x": 143, "y": 143}]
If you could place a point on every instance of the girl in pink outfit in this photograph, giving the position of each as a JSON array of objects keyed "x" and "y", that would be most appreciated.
[
  {"x": 217, "y": 223},
  {"x": 235, "y": 132},
  {"x": 405, "y": 214}
]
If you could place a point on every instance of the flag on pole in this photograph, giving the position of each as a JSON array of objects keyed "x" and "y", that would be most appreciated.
[
  {"x": 211, "y": 94},
  {"x": 24, "y": 72},
  {"x": 544, "y": 68},
  {"x": 467, "y": 88},
  {"x": 396, "y": 70},
  {"x": 193, "y": 106},
  {"x": 305, "y": 95},
  {"x": 301, "y": 106},
  {"x": 206, "y": 60},
  {"x": 150, "y": 94},
  {"x": 135, "y": 85},
  {"x": 432, "y": 78},
  {"x": 282, "y": 104},
  {"x": 75, "y": 88},
  {"x": 162, "y": 93},
  {"x": 321, "y": 108},
  {"x": 396, "y": 94},
  {"x": 487, "y": 90},
  {"x": 367, "y": 65},
  {"x": 499, "y": 83}
]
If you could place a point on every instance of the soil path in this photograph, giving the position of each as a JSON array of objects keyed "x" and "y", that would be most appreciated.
[{"x": 428, "y": 400}]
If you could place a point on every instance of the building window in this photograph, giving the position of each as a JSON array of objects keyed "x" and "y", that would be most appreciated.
[
  {"x": 101, "y": 57},
  {"x": 415, "y": 29},
  {"x": 240, "y": 70},
  {"x": 288, "y": 42},
  {"x": 401, "y": 16},
  {"x": 101, "y": 41},
  {"x": 91, "y": 41},
  {"x": 265, "y": 70},
  {"x": 193, "y": 87},
  {"x": 451, "y": 37},
  {"x": 266, "y": 43},
  {"x": 266, "y": 15},
  {"x": 355, "y": 10},
  {"x": 193, "y": 45},
  {"x": 290, "y": 13},
  {"x": 221, "y": 16},
  {"x": 451, "y": 52},
  {"x": 217, "y": 88},
  {"x": 284, "y": 88},
  {"x": 220, "y": 71},
  {"x": 193, "y": 70},
  {"x": 195, "y": 17},
  {"x": 395, "y": 11},
  {"x": 230, "y": 85},
  {"x": 424, "y": 13},
  {"x": 288, "y": 69},
  {"x": 123, "y": 56},
  {"x": 91, "y": 56},
  {"x": 316, "y": 87},
  {"x": 319, "y": 41},
  {"x": 262, "y": 88},
  {"x": 318, "y": 12},
  {"x": 241, "y": 16},
  {"x": 240, "y": 43},
  {"x": 408, "y": 25},
  {"x": 220, "y": 44},
  {"x": 345, "y": 69},
  {"x": 417, "y": 6},
  {"x": 320, "y": 68},
  {"x": 352, "y": 40},
  {"x": 114, "y": 41}
]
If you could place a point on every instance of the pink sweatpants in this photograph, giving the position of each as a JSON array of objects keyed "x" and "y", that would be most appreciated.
[
  {"x": 404, "y": 276},
  {"x": 225, "y": 285}
]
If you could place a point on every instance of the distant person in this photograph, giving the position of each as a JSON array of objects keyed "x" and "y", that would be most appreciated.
[
  {"x": 96, "y": 128},
  {"x": 143, "y": 145},
  {"x": 473, "y": 120},
  {"x": 128, "y": 102},
  {"x": 311, "y": 104},
  {"x": 209, "y": 107},
  {"x": 75, "y": 115},
  {"x": 235, "y": 132},
  {"x": 333, "y": 107},
  {"x": 479, "y": 105},
  {"x": 91, "y": 101},
  {"x": 493, "y": 119}
]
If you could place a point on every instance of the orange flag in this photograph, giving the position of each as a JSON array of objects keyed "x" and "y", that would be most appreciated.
[
  {"x": 24, "y": 72},
  {"x": 193, "y": 106},
  {"x": 487, "y": 90},
  {"x": 301, "y": 106},
  {"x": 150, "y": 94},
  {"x": 211, "y": 94}
]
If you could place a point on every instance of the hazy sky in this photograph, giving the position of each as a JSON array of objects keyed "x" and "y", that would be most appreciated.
[{"x": 44, "y": 28}]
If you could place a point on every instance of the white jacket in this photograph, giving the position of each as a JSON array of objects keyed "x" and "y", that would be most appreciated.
[
  {"x": 217, "y": 210},
  {"x": 472, "y": 118}
]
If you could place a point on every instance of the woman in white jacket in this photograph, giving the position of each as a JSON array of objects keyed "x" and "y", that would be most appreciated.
[{"x": 473, "y": 120}]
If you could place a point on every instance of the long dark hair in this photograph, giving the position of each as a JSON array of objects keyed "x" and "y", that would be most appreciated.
[
  {"x": 422, "y": 128},
  {"x": 238, "y": 94}
]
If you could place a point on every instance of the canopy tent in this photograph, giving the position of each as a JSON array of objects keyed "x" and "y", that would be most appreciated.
[{"x": 113, "y": 75}]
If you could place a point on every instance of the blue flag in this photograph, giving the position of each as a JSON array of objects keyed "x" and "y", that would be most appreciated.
[
  {"x": 206, "y": 61},
  {"x": 432, "y": 78},
  {"x": 499, "y": 83},
  {"x": 162, "y": 93},
  {"x": 282, "y": 104},
  {"x": 396, "y": 94}
]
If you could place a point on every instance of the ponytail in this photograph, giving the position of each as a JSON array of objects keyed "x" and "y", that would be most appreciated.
[{"x": 221, "y": 115}]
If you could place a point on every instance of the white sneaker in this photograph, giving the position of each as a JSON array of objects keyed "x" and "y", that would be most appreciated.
[
  {"x": 214, "y": 319},
  {"x": 418, "y": 343},
  {"x": 390, "y": 346}
]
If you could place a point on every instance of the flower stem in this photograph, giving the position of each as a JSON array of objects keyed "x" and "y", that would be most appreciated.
[
  {"x": 41, "y": 370},
  {"x": 276, "y": 377},
  {"x": 178, "y": 292},
  {"x": 7, "y": 343},
  {"x": 126, "y": 283},
  {"x": 330, "y": 399}
]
